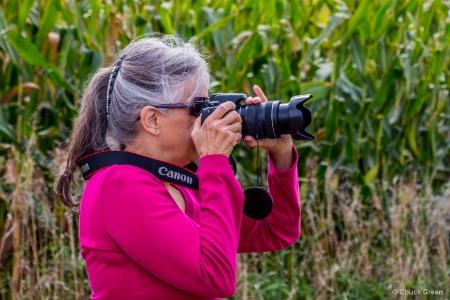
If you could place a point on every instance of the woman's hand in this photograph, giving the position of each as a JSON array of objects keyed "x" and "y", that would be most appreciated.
[
  {"x": 220, "y": 132},
  {"x": 280, "y": 149}
]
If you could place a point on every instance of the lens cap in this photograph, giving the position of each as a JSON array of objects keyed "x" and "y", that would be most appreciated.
[{"x": 258, "y": 203}]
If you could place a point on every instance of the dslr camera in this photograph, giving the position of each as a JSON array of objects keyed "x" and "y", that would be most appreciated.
[{"x": 271, "y": 119}]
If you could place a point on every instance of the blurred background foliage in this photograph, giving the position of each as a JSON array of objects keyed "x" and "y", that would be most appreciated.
[{"x": 375, "y": 183}]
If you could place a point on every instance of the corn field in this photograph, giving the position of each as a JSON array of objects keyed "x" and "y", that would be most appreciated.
[{"x": 375, "y": 184}]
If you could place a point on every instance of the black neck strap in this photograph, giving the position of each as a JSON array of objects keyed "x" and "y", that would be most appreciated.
[
  {"x": 258, "y": 202},
  {"x": 92, "y": 163}
]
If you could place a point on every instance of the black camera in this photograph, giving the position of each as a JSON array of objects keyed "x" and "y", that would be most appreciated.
[{"x": 271, "y": 119}]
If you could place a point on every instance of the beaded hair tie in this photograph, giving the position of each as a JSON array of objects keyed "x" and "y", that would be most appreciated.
[{"x": 112, "y": 79}]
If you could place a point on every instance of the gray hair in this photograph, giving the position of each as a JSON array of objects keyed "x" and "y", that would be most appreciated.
[{"x": 154, "y": 71}]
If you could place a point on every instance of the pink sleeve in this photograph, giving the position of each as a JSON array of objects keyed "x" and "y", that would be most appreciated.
[
  {"x": 145, "y": 222},
  {"x": 282, "y": 227}
]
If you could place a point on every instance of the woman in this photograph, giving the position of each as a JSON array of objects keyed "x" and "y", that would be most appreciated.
[{"x": 144, "y": 238}]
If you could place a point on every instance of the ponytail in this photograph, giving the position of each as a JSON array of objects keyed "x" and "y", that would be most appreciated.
[{"x": 88, "y": 136}]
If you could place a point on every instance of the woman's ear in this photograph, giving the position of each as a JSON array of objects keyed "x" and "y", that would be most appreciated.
[{"x": 149, "y": 120}]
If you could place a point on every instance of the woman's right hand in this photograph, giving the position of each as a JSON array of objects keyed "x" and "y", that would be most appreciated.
[{"x": 220, "y": 132}]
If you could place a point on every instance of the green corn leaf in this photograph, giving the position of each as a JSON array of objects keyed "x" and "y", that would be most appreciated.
[
  {"x": 271, "y": 75},
  {"x": 357, "y": 52},
  {"x": 95, "y": 7},
  {"x": 227, "y": 7},
  {"x": 368, "y": 128},
  {"x": 220, "y": 23},
  {"x": 319, "y": 90},
  {"x": 48, "y": 22},
  {"x": 380, "y": 16},
  {"x": 4, "y": 43},
  {"x": 336, "y": 19},
  {"x": 330, "y": 122},
  {"x": 360, "y": 15},
  {"x": 217, "y": 37},
  {"x": 411, "y": 135},
  {"x": 7, "y": 130},
  {"x": 380, "y": 133},
  {"x": 29, "y": 53},
  {"x": 166, "y": 19},
  {"x": 27, "y": 50},
  {"x": 369, "y": 178},
  {"x": 25, "y": 8},
  {"x": 381, "y": 95},
  {"x": 432, "y": 129},
  {"x": 349, "y": 149},
  {"x": 447, "y": 32},
  {"x": 428, "y": 18},
  {"x": 66, "y": 14},
  {"x": 365, "y": 30},
  {"x": 250, "y": 49}
]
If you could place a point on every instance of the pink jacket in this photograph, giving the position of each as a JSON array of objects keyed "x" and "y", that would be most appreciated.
[{"x": 138, "y": 244}]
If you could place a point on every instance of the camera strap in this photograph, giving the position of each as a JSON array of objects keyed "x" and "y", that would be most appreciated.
[
  {"x": 257, "y": 205},
  {"x": 92, "y": 163}
]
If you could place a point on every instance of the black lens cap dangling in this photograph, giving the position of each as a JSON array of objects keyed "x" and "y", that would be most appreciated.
[{"x": 258, "y": 203}]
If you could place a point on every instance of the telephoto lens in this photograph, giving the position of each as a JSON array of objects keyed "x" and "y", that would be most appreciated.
[{"x": 271, "y": 119}]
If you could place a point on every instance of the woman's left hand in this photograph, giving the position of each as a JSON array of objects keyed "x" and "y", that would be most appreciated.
[{"x": 280, "y": 149}]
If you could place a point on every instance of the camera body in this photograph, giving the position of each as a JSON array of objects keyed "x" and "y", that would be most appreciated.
[{"x": 271, "y": 119}]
